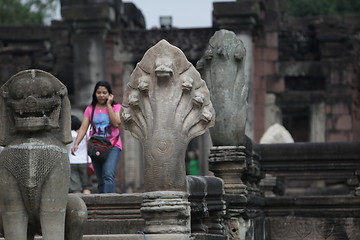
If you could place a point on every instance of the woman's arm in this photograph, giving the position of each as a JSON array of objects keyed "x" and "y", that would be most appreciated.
[
  {"x": 81, "y": 133},
  {"x": 114, "y": 116}
]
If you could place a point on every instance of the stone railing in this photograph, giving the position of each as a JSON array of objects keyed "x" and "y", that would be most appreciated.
[
  {"x": 311, "y": 168},
  {"x": 113, "y": 213},
  {"x": 208, "y": 208},
  {"x": 309, "y": 190}
]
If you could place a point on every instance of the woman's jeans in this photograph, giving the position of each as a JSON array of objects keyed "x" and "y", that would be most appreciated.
[{"x": 105, "y": 172}]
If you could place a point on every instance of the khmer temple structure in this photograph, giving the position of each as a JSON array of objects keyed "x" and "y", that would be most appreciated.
[{"x": 218, "y": 90}]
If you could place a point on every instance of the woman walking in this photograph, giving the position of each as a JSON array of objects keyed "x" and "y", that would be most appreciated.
[{"x": 103, "y": 117}]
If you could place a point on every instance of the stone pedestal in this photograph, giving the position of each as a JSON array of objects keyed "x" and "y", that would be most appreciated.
[
  {"x": 244, "y": 200},
  {"x": 166, "y": 212},
  {"x": 229, "y": 163}
]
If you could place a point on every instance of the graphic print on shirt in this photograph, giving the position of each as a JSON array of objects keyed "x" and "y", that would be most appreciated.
[{"x": 101, "y": 125}]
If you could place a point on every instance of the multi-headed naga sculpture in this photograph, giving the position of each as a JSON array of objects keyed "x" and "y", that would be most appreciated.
[
  {"x": 222, "y": 67},
  {"x": 166, "y": 104},
  {"x": 34, "y": 165}
]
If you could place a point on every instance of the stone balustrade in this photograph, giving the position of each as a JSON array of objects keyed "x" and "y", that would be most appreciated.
[{"x": 312, "y": 168}]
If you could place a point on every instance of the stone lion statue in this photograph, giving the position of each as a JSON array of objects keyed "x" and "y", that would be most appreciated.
[{"x": 34, "y": 165}]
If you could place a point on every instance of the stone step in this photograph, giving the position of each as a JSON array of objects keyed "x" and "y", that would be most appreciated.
[
  {"x": 138, "y": 237},
  {"x": 133, "y": 237}
]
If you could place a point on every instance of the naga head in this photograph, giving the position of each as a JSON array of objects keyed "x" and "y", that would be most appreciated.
[{"x": 163, "y": 68}]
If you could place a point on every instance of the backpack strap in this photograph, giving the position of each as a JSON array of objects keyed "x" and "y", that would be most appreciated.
[{"x": 91, "y": 119}]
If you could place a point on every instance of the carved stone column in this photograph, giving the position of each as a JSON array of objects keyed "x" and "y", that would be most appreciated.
[
  {"x": 165, "y": 105},
  {"x": 90, "y": 23}
]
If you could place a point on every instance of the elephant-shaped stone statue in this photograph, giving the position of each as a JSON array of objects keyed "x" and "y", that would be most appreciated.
[{"x": 34, "y": 165}]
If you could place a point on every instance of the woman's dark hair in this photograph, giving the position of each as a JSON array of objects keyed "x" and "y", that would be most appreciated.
[
  {"x": 75, "y": 123},
  {"x": 101, "y": 84}
]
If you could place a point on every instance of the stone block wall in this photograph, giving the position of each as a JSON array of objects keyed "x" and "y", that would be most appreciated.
[
  {"x": 324, "y": 52},
  {"x": 50, "y": 49},
  {"x": 23, "y": 48}
]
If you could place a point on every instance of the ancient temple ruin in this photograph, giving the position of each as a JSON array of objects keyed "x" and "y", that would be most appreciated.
[{"x": 301, "y": 73}]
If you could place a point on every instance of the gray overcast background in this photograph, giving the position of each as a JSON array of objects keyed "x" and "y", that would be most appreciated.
[{"x": 185, "y": 13}]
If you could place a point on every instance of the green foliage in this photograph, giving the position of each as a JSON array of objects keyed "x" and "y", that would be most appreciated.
[
  {"x": 302, "y": 8},
  {"x": 26, "y": 12}
]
